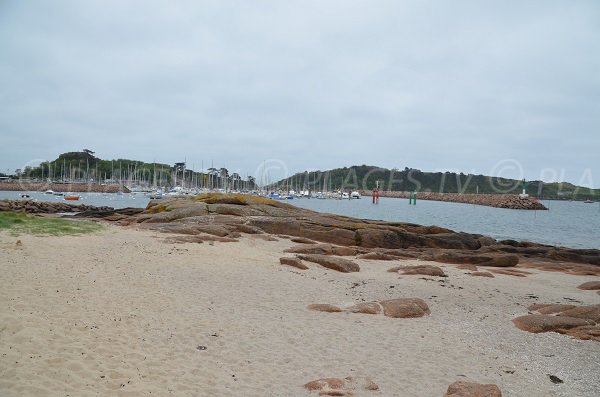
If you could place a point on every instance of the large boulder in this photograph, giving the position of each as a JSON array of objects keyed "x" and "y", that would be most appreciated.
[
  {"x": 453, "y": 240},
  {"x": 378, "y": 256},
  {"x": 365, "y": 308},
  {"x": 590, "y": 285},
  {"x": 341, "y": 387},
  {"x": 426, "y": 270},
  {"x": 537, "y": 323},
  {"x": 332, "y": 262},
  {"x": 550, "y": 308},
  {"x": 302, "y": 240},
  {"x": 324, "y": 307},
  {"x": 405, "y": 307},
  {"x": 488, "y": 259},
  {"x": 470, "y": 389},
  {"x": 591, "y": 312},
  {"x": 166, "y": 213},
  {"x": 295, "y": 262},
  {"x": 381, "y": 238},
  {"x": 482, "y": 274},
  {"x": 322, "y": 249},
  {"x": 301, "y": 228},
  {"x": 581, "y": 322}
]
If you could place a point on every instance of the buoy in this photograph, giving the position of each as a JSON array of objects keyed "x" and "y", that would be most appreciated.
[{"x": 412, "y": 198}]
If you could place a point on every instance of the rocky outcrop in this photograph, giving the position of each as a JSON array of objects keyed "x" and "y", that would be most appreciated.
[
  {"x": 405, "y": 308},
  {"x": 366, "y": 308},
  {"x": 511, "y": 272},
  {"x": 537, "y": 323},
  {"x": 50, "y": 207},
  {"x": 590, "y": 285},
  {"x": 394, "y": 308},
  {"x": 322, "y": 249},
  {"x": 401, "y": 240},
  {"x": 379, "y": 256},
  {"x": 341, "y": 387},
  {"x": 581, "y": 322},
  {"x": 333, "y": 263},
  {"x": 229, "y": 216},
  {"x": 302, "y": 240},
  {"x": 470, "y": 389},
  {"x": 324, "y": 307},
  {"x": 511, "y": 201},
  {"x": 426, "y": 270},
  {"x": 482, "y": 274},
  {"x": 462, "y": 257},
  {"x": 295, "y": 262}
]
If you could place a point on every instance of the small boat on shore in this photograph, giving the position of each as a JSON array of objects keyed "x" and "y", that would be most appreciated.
[
  {"x": 588, "y": 202},
  {"x": 72, "y": 197},
  {"x": 49, "y": 191}
]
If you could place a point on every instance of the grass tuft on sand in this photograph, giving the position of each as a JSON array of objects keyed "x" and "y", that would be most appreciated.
[{"x": 20, "y": 223}]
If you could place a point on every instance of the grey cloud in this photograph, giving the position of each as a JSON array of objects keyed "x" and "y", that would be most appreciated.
[{"x": 433, "y": 85}]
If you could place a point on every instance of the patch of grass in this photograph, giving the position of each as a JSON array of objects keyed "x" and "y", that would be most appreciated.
[
  {"x": 238, "y": 199},
  {"x": 158, "y": 208},
  {"x": 20, "y": 223},
  {"x": 222, "y": 198}
]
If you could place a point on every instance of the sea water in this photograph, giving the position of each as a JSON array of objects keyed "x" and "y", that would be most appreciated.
[{"x": 571, "y": 224}]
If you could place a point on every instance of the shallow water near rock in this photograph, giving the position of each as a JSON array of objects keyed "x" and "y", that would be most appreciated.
[{"x": 571, "y": 224}]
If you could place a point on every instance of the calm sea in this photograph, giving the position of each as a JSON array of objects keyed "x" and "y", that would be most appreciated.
[{"x": 571, "y": 224}]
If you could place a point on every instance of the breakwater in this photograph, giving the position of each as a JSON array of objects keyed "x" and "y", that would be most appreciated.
[
  {"x": 511, "y": 201},
  {"x": 44, "y": 207},
  {"x": 63, "y": 187}
]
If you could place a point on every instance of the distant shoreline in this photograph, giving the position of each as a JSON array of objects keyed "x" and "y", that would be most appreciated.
[{"x": 63, "y": 187}]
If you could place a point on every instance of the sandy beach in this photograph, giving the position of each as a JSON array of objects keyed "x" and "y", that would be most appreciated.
[{"x": 125, "y": 312}]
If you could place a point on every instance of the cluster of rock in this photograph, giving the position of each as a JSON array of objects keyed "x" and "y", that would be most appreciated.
[
  {"x": 21, "y": 186},
  {"x": 394, "y": 308},
  {"x": 228, "y": 216},
  {"x": 581, "y": 322},
  {"x": 347, "y": 386},
  {"x": 339, "y": 386},
  {"x": 511, "y": 201},
  {"x": 47, "y": 207}
]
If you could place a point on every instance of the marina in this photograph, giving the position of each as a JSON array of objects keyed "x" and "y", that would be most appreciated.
[{"x": 572, "y": 223}]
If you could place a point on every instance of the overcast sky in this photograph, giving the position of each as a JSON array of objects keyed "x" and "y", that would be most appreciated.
[{"x": 509, "y": 88}]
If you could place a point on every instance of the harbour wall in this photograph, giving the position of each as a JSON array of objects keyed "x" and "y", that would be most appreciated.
[{"x": 511, "y": 201}]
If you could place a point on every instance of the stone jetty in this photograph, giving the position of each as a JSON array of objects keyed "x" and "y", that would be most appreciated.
[
  {"x": 19, "y": 186},
  {"x": 511, "y": 201},
  {"x": 49, "y": 207}
]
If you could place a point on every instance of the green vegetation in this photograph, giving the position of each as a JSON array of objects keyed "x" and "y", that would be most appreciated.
[
  {"x": 365, "y": 177},
  {"x": 85, "y": 167},
  {"x": 20, "y": 223}
]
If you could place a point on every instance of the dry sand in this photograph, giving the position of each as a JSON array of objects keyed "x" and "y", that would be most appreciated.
[{"x": 123, "y": 313}]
